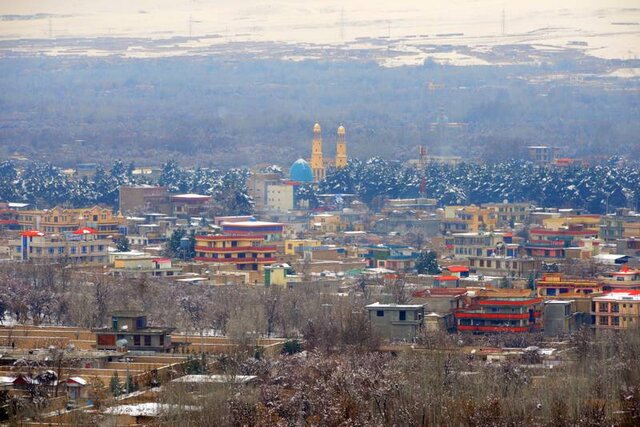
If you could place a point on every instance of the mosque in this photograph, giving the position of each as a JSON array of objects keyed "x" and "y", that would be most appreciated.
[{"x": 315, "y": 170}]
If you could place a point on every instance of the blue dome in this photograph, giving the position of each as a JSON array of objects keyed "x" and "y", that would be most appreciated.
[{"x": 301, "y": 171}]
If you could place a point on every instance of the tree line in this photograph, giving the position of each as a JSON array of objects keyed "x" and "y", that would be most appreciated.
[{"x": 598, "y": 188}]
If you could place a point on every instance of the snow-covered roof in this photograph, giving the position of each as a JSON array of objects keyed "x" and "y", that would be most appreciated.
[
  {"x": 191, "y": 196},
  {"x": 394, "y": 306},
  {"x": 236, "y": 379},
  {"x": 252, "y": 224},
  {"x": 78, "y": 380},
  {"x": 150, "y": 409}
]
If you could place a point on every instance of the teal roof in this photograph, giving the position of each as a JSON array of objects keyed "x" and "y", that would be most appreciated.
[{"x": 301, "y": 171}]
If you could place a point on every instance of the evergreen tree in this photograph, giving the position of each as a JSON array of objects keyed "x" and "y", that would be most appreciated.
[
  {"x": 428, "y": 263},
  {"x": 122, "y": 244},
  {"x": 8, "y": 178},
  {"x": 174, "y": 248},
  {"x": 130, "y": 385},
  {"x": 115, "y": 385}
]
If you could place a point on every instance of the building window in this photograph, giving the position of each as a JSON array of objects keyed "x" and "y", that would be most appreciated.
[
  {"x": 615, "y": 321},
  {"x": 615, "y": 307},
  {"x": 403, "y": 315},
  {"x": 380, "y": 313},
  {"x": 147, "y": 340},
  {"x": 602, "y": 307},
  {"x": 602, "y": 320},
  {"x": 136, "y": 340},
  {"x": 161, "y": 337}
]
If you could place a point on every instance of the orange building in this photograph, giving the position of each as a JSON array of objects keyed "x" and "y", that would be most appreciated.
[
  {"x": 619, "y": 309},
  {"x": 246, "y": 252}
]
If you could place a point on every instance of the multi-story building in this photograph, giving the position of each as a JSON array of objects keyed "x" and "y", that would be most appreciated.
[
  {"x": 482, "y": 244},
  {"x": 392, "y": 257},
  {"x": 61, "y": 220},
  {"x": 624, "y": 279},
  {"x": 630, "y": 247},
  {"x": 559, "y": 286},
  {"x": 129, "y": 331},
  {"x": 280, "y": 197},
  {"x": 144, "y": 198},
  {"x": 476, "y": 218},
  {"x": 562, "y": 318},
  {"x": 552, "y": 244},
  {"x": 521, "y": 267},
  {"x": 542, "y": 154},
  {"x": 257, "y": 186},
  {"x": 396, "y": 321},
  {"x": 326, "y": 223},
  {"x": 9, "y": 215},
  {"x": 245, "y": 251},
  {"x": 143, "y": 266},
  {"x": 508, "y": 214},
  {"x": 619, "y": 309},
  {"x": 624, "y": 224},
  {"x": 83, "y": 246},
  {"x": 188, "y": 205},
  {"x": 500, "y": 311},
  {"x": 293, "y": 246}
]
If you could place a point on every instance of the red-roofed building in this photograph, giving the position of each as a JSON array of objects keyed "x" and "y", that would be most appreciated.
[
  {"x": 625, "y": 279},
  {"x": 458, "y": 270},
  {"x": 493, "y": 312}
]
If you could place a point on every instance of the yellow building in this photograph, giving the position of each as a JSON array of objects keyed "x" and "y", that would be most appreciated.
[
  {"x": 318, "y": 162},
  {"x": 325, "y": 223},
  {"x": 587, "y": 222},
  {"x": 474, "y": 217},
  {"x": 293, "y": 245},
  {"x": 60, "y": 220},
  {"x": 280, "y": 275}
]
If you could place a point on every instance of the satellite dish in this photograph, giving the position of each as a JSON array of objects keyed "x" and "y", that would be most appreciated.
[{"x": 121, "y": 343}]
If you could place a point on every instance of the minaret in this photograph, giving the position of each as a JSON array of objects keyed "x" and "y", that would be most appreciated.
[
  {"x": 341, "y": 149},
  {"x": 317, "y": 162}
]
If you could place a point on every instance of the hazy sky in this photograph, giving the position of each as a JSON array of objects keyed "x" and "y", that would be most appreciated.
[{"x": 609, "y": 27}]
